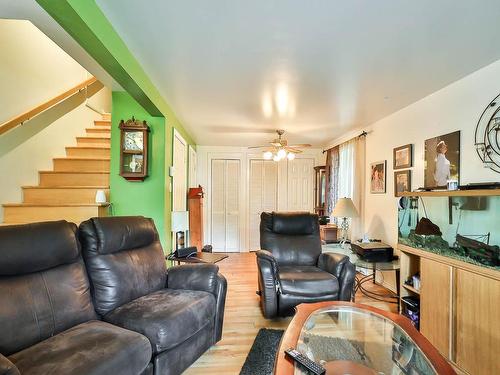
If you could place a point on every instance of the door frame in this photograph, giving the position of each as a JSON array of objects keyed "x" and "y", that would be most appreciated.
[
  {"x": 178, "y": 135},
  {"x": 192, "y": 174}
]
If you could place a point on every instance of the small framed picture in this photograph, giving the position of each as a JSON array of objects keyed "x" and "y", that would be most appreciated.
[
  {"x": 403, "y": 157},
  {"x": 402, "y": 182},
  {"x": 378, "y": 177}
]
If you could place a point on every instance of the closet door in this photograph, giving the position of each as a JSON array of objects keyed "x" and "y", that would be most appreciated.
[
  {"x": 300, "y": 185},
  {"x": 218, "y": 209},
  {"x": 263, "y": 196},
  {"x": 232, "y": 185},
  {"x": 224, "y": 213}
]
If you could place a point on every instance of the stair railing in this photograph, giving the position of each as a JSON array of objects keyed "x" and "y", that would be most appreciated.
[{"x": 23, "y": 117}]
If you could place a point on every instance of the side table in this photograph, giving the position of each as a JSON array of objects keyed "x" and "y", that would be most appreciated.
[
  {"x": 200, "y": 257},
  {"x": 371, "y": 268}
]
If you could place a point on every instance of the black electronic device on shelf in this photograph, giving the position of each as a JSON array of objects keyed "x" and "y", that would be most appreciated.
[{"x": 480, "y": 186}]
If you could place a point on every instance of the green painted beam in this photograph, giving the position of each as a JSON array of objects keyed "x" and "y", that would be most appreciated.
[{"x": 86, "y": 23}]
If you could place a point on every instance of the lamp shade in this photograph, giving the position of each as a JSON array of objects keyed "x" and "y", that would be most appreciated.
[
  {"x": 180, "y": 221},
  {"x": 345, "y": 208}
]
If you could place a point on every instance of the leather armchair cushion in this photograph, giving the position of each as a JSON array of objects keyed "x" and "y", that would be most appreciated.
[
  {"x": 308, "y": 281},
  {"x": 114, "y": 234},
  {"x": 37, "y": 306},
  {"x": 91, "y": 348},
  {"x": 119, "y": 275},
  {"x": 167, "y": 317},
  {"x": 7, "y": 367},
  {"x": 297, "y": 241},
  {"x": 35, "y": 247},
  {"x": 293, "y": 223}
]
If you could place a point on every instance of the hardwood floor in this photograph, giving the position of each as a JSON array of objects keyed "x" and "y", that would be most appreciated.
[{"x": 243, "y": 317}]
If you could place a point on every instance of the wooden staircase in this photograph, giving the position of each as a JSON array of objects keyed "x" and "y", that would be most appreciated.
[{"x": 68, "y": 191}]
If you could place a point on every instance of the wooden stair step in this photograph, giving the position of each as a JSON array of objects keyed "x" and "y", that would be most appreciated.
[
  {"x": 91, "y": 178},
  {"x": 61, "y": 195},
  {"x": 88, "y": 151},
  {"x": 106, "y": 130},
  {"x": 102, "y": 122},
  {"x": 94, "y": 141},
  {"x": 29, "y": 213},
  {"x": 75, "y": 164}
]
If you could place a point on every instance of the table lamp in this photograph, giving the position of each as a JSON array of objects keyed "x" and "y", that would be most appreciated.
[
  {"x": 344, "y": 209},
  {"x": 180, "y": 224}
]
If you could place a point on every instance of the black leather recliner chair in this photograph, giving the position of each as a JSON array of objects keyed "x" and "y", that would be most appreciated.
[
  {"x": 293, "y": 270},
  {"x": 180, "y": 311}
]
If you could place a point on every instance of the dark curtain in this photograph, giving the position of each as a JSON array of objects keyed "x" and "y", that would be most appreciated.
[{"x": 331, "y": 176}]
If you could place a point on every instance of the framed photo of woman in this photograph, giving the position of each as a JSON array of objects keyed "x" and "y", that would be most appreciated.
[
  {"x": 442, "y": 160},
  {"x": 402, "y": 182},
  {"x": 403, "y": 156},
  {"x": 378, "y": 177}
]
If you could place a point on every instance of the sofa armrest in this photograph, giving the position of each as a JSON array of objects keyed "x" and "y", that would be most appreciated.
[
  {"x": 193, "y": 277},
  {"x": 7, "y": 367},
  {"x": 269, "y": 284},
  {"x": 339, "y": 266},
  {"x": 206, "y": 278}
]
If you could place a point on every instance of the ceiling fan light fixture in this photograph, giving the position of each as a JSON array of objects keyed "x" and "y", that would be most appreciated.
[
  {"x": 281, "y": 153},
  {"x": 268, "y": 155},
  {"x": 290, "y": 156},
  {"x": 276, "y": 158}
]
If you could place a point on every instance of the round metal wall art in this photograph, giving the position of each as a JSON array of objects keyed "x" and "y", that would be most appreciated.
[{"x": 487, "y": 136}]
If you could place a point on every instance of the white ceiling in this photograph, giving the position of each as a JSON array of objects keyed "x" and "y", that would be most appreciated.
[{"x": 234, "y": 71}]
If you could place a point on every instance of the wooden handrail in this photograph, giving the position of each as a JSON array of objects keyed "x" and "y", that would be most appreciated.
[{"x": 12, "y": 123}]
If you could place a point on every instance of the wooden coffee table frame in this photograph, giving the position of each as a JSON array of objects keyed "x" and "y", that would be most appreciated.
[{"x": 285, "y": 366}]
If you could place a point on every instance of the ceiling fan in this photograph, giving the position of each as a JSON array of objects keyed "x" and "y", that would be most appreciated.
[{"x": 280, "y": 149}]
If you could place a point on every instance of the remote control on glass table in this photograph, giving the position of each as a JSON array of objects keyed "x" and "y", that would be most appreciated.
[{"x": 306, "y": 362}]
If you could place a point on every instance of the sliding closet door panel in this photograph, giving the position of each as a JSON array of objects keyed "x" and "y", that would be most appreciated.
[
  {"x": 255, "y": 202},
  {"x": 300, "y": 185},
  {"x": 263, "y": 196},
  {"x": 218, "y": 205},
  {"x": 232, "y": 184},
  {"x": 270, "y": 186}
]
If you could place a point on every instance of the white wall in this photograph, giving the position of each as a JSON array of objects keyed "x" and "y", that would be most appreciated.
[
  {"x": 455, "y": 107},
  {"x": 204, "y": 156},
  {"x": 32, "y": 70}
]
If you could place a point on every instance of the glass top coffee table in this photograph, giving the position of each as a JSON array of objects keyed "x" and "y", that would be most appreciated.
[{"x": 350, "y": 338}]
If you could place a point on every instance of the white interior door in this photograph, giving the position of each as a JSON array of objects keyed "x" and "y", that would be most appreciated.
[
  {"x": 179, "y": 178},
  {"x": 263, "y": 196},
  {"x": 225, "y": 205},
  {"x": 300, "y": 185}
]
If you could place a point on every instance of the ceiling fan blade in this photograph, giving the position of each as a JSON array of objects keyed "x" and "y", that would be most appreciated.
[
  {"x": 276, "y": 144},
  {"x": 257, "y": 147},
  {"x": 301, "y": 145},
  {"x": 292, "y": 149}
]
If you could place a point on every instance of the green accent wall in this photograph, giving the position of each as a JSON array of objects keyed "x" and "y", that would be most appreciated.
[
  {"x": 87, "y": 24},
  {"x": 133, "y": 197}
]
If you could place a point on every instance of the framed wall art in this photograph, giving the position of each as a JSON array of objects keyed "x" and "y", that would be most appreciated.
[
  {"x": 402, "y": 182},
  {"x": 378, "y": 177},
  {"x": 442, "y": 160},
  {"x": 403, "y": 157}
]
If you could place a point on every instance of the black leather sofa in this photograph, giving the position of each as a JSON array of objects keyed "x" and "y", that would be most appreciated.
[
  {"x": 133, "y": 317},
  {"x": 293, "y": 270}
]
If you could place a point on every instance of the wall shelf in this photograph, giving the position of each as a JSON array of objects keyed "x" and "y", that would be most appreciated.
[
  {"x": 453, "y": 193},
  {"x": 411, "y": 289}
]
